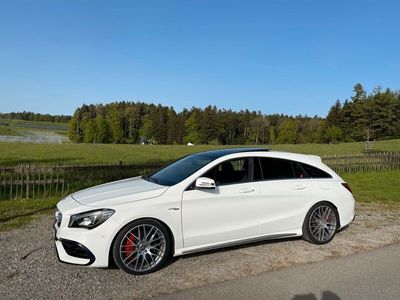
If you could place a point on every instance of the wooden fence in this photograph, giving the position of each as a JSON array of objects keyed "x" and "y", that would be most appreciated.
[
  {"x": 32, "y": 181},
  {"x": 38, "y": 182},
  {"x": 363, "y": 162}
]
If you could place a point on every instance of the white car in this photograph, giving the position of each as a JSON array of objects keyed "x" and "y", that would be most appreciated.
[{"x": 202, "y": 201}]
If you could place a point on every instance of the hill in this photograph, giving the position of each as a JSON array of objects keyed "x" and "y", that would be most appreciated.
[{"x": 32, "y": 131}]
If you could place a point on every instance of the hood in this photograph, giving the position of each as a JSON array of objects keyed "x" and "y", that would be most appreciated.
[{"x": 118, "y": 192}]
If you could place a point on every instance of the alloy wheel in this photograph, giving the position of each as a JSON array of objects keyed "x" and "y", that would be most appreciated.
[
  {"x": 142, "y": 248},
  {"x": 322, "y": 223}
]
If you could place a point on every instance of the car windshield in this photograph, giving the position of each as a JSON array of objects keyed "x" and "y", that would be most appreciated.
[{"x": 180, "y": 170}]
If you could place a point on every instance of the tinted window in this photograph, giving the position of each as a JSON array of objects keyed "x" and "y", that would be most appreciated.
[
  {"x": 230, "y": 171},
  {"x": 180, "y": 170},
  {"x": 314, "y": 172},
  {"x": 275, "y": 168},
  {"x": 298, "y": 170}
]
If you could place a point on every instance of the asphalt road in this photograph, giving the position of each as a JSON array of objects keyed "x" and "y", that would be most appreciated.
[{"x": 372, "y": 274}]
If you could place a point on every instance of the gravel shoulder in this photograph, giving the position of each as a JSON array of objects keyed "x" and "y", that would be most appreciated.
[{"x": 29, "y": 267}]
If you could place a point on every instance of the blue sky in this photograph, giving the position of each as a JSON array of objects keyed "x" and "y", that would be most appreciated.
[{"x": 292, "y": 57}]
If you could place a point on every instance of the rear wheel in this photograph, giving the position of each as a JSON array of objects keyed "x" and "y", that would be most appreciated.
[
  {"x": 142, "y": 247},
  {"x": 320, "y": 224}
]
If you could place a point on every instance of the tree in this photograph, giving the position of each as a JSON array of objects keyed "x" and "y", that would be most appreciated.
[
  {"x": 333, "y": 134},
  {"x": 74, "y": 131},
  {"x": 192, "y": 130},
  {"x": 114, "y": 122},
  {"x": 287, "y": 132},
  {"x": 360, "y": 93},
  {"x": 335, "y": 115},
  {"x": 146, "y": 130},
  {"x": 101, "y": 129},
  {"x": 89, "y": 131},
  {"x": 272, "y": 135}
]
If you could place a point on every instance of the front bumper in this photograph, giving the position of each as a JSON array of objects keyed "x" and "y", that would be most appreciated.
[{"x": 82, "y": 246}]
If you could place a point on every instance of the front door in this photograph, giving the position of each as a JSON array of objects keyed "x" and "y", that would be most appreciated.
[{"x": 226, "y": 213}]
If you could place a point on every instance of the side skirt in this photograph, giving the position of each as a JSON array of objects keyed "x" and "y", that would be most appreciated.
[{"x": 240, "y": 242}]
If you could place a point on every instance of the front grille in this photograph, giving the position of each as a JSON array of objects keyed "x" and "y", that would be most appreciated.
[{"x": 58, "y": 218}]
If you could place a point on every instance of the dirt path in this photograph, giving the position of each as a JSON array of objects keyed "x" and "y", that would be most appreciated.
[{"x": 29, "y": 268}]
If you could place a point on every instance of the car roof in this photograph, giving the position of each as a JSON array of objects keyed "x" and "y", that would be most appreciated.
[{"x": 223, "y": 152}]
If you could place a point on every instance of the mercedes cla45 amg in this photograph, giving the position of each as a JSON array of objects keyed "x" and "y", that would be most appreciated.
[{"x": 202, "y": 201}]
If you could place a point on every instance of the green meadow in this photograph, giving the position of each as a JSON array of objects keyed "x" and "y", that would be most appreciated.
[{"x": 15, "y": 153}]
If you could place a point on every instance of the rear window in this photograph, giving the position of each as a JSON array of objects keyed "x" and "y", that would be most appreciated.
[{"x": 313, "y": 172}]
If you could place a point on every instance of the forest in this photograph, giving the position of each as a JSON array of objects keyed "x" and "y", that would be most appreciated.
[
  {"x": 374, "y": 115},
  {"x": 365, "y": 116}
]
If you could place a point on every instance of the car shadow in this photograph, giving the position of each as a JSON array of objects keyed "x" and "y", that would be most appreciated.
[{"x": 326, "y": 295}]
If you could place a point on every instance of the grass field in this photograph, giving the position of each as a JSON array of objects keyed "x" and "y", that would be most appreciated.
[
  {"x": 14, "y": 153},
  {"x": 17, "y": 213},
  {"x": 38, "y": 125},
  {"x": 378, "y": 187},
  {"x": 6, "y": 130}
]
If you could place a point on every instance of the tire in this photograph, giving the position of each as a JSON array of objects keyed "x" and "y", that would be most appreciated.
[
  {"x": 142, "y": 247},
  {"x": 321, "y": 223}
]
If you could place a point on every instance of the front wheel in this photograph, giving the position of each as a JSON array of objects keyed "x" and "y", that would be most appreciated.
[
  {"x": 142, "y": 247},
  {"x": 320, "y": 224}
]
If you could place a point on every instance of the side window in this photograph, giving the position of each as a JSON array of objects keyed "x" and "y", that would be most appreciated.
[
  {"x": 276, "y": 168},
  {"x": 230, "y": 171},
  {"x": 298, "y": 170},
  {"x": 314, "y": 172}
]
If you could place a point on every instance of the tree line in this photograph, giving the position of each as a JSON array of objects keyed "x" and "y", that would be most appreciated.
[
  {"x": 374, "y": 116},
  {"x": 30, "y": 116}
]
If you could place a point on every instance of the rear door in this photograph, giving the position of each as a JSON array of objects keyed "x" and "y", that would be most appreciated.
[{"x": 286, "y": 192}]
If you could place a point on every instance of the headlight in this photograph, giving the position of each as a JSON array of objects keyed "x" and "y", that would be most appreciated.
[
  {"x": 58, "y": 217},
  {"x": 90, "y": 219}
]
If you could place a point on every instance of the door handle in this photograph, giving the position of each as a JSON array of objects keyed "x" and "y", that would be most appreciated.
[
  {"x": 247, "y": 190},
  {"x": 299, "y": 187}
]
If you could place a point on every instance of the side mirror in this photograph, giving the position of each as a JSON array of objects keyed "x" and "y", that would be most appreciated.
[{"x": 205, "y": 183}]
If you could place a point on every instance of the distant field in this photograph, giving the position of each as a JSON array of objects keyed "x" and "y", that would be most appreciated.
[
  {"x": 6, "y": 130},
  {"x": 14, "y": 153},
  {"x": 38, "y": 125},
  {"x": 31, "y": 131}
]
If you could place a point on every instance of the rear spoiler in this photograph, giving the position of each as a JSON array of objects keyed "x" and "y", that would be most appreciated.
[{"x": 315, "y": 158}]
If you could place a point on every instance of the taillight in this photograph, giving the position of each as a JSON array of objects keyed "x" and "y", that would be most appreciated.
[{"x": 347, "y": 186}]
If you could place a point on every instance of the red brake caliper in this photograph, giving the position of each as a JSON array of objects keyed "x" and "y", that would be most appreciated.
[{"x": 129, "y": 247}]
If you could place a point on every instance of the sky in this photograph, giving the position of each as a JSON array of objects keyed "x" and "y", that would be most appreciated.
[{"x": 276, "y": 56}]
